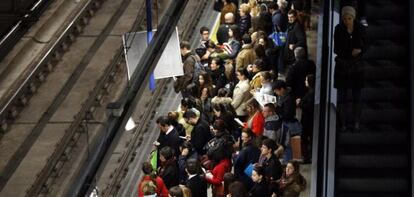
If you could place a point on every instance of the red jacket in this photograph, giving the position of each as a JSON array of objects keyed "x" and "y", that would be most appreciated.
[
  {"x": 162, "y": 190},
  {"x": 257, "y": 124},
  {"x": 218, "y": 172}
]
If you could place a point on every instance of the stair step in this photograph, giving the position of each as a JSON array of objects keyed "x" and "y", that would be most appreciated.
[
  {"x": 384, "y": 73},
  {"x": 389, "y": 31},
  {"x": 385, "y": 49},
  {"x": 369, "y": 194},
  {"x": 386, "y": 10},
  {"x": 373, "y": 180},
  {"x": 373, "y": 161},
  {"x": 384, "y": 94},
  {"x": 392, "y": 116},
  {"x": 364, "y": 137}
]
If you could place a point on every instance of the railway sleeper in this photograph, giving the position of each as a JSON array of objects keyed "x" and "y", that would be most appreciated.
[
  {"x": 57, "y": 170},
  {"x": 66, "y": 156},
  {"x": 49, "y": 67},
  {"x": 4, "y": 126},
  {"x": 32, "y": 87},
  {"x": 41, "y": 76},
  {"x": 13, "y": 112},
  {"x": 23, "y": 100}
]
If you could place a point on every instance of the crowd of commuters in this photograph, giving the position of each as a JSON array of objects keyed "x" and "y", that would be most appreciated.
[{"x": 222, "y": 135}]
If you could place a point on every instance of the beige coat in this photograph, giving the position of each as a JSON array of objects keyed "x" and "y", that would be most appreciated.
[
  {"x": 241, "y": 94},
  {"x": 246, "y": 56}
]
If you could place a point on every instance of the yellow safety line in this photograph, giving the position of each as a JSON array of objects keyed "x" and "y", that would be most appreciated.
[{"x": 213, "y": 33}]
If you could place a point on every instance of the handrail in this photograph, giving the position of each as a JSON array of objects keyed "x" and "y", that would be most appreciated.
[
  {"x": 323, "y": 155},
  {"x": 128, "y": 102},
  {"x": 411, "y": 42}
]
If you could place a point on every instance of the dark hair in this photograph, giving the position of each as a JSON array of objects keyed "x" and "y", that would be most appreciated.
[
  {"x": 203, "y": 29},
  {"x": 271, "y": 106},
  {"x": 237, "y": 189},
  {"x": 246, "y": 39},
  {"x": 260, "y": 170},
  {"x": 167, "y": 152},
  {"x": 211, "y": 44},
  {"x": 293, "y": 12},
  {"x": 219, "y": 125},
  {"x": 163, "y": 121},
  {"x": 236, "y": 32},
  {"x": 249, "y": 132},
  {"x": 295, "y": 165},
  {"x": 270, "y": 144},
  {"x": 176, "y": 191},
  {"x": 228, "y": 179},
  {"x": 185, "y": 44},
  {"x": 243, "y": 71},
  {"x": 192, "y": 166},
  {"x": 260, "y": 50},
  {"x": 190, "y": 114},
  {"x": 147, "y": 168},
  {"x": 187, "y": 102},
  {"x": 222, "y": 92},
  {"x": 273, "y": 5},
  {"x": 259, "y": 64},
  {"x": 279, "y": 84}
]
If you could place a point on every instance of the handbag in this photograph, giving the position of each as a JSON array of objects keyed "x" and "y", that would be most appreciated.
[{"x": 279, "y": 38}]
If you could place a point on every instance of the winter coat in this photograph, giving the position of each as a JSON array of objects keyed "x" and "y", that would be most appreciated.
[
  {"x": 297, "y": 37},
  {"x": 245, "y": 57},
  {"x": 286, "y": 107},
  {"x": 200, "y": 136},
  {"x": 182, "y": 82},
  {"x": 169, "y": 173},
  {"x": 348, "y": 72},
  {"x": 245, "y": 23},
  {"x": 280, "y": 21},
  {"x": 272, "y": 127},
  {"x": 296, "y": 75},
  {"x": 249, "y": 154},
  {"x": 241, "y": 94},
  {"x": 256, "y": 123}
]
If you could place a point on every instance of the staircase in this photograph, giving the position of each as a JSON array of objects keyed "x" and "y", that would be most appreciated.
[{"x": 376, "y": 160}]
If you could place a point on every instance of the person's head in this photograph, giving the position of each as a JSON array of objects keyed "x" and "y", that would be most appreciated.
[
  {"x": 147, "y": 168},
  {"x": 215, "y": 63},
  {"x": 246, "y": 39},
  {"x": 211, "y": 46},
  {"x": 234, "y": 32},
  {"x": 186, "y": 145},
  {"x": 348, "y": 15},
  {"x": 273, "y": 7},
  {"x": 149, "y": 187},
  {"x": 292, "y": 16},
  {"x": 186, "y": 103},
  {"x": 228, "y": 179},
  {"x": 190, "y": 117},
  {"x": 282, "y": 4},
  {"x": 258, "y": 174},
  {"x": 260, "y": 51},
  {"x": 219, "y": 126},
  {"x": 300, "y": 53},
  {"x": 192, "y": 166},
  {"x": 222, "y": 92},
  {"x": 163, "y": 123},
  {"x": 229, "y": 18},
  {"x": 204, "y": 33},
  {"x": 241, "y": 74},
  {"x": 176, "y": 191},
  {"x": 185, "y": 47},
  {"x": 292, "y": 167},
  {"x": 268, "y": 147},
  {"x": 237, "y": 189},
  {"x": 218, "y": 108},
  {"x": 310, "y": 81},
  {"x": 266, "y": 77},
  {"x": 173, "y": 116},
  {"x": 186, "y": 191},
  {"x": 280, "y": 88},
  {"x": 269, "y": 109},
  {"x": 166, "y": 153},
  {"x": 253, "y": 106},
  {"x": 247, "y": 135},
  {"x": 204, "y": 79},
  {"x": 244, "y": 9},
  {"x": 258, "y": 65}
]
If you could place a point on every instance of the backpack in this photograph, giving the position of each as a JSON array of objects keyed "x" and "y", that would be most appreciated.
[{"x": 198, "y": 68}]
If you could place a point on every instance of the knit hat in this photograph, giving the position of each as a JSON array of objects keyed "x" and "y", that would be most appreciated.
[{"x": 348, "y": 10}]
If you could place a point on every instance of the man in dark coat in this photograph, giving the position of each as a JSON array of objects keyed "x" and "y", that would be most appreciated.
[
  {"x": 195, "y": 182},
  {"x": 189, "y": 61},
  {"x": 286, "y": 104},
  {"x": 296, "y": 37},
  {"x": 201, "y": 132},
  {"x": 296, "y": 73},
  {"x": 168, "y": 135},
  {"x": 279, "y": 19}
]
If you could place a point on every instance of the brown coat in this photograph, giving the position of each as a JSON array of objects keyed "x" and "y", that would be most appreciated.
[
  {"x": 188, "y": 67},
  {"x": 256, "y": 81},
  {"x": 246, "y": 56},
  {"x": 226, "y": 9}
]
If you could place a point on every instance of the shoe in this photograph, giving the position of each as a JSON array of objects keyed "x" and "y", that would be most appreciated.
[{"x": 364, "y": 22}]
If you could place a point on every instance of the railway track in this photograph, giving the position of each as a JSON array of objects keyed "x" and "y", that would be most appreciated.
[{"x": 34, "y": 166}]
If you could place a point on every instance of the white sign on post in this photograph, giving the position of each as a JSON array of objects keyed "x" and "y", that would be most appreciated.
[{"x": 169, "y": 64}]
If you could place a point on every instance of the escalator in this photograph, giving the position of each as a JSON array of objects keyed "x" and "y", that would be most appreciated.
[{"x": 376, "y": 160}]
